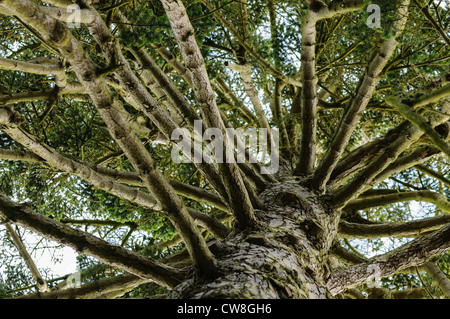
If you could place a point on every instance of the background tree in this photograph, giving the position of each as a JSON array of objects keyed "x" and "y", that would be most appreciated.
[{"x": 92, "y": 91}]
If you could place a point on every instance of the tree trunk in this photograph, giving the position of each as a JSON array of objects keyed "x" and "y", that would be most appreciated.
[{"x": 285, "y": 257}]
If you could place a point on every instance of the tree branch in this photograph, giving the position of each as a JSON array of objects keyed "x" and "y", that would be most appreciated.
[
  {"x": 72, "y": 89},
  {"x": 116, "y": 285},
  {"x": 306, "y": 160},
  {"x": 413, "y": 253},
  {"x": 432, "y": 173},
  {"x": 86, "y": 243},
  {"x": 163, "y": 81},
  {"x": 27, "y": 67},
  {"x": 441, "y": 201},
  {"x": 41, "y": 284},
  {"x": 55, "y": 159},
  {"x": 102, "y": 178},
  {"x": 408, "y": 229},
  {"x": 252, "y": 93},
  {"x": 426, "y": 13},
  {"x": 439, "y": 277},
  {"x": 238, "y": 198},
  {"x": 144, "y": 101},
  {"x": 59, "y": 3},
  {"x": 420, "y": 122},
  {"x": 20, "y": 155},
  {"x": 347, "y": 256},
  {"x": 277, "y": 73},
  {"x": 68, "y": 15},
  {"x": 361, "y": 156},
  {"x": 173, "y": 62},
  {"x": 371, "y": 175},
  {"x": 418, "y": 156},
  {"x": 118, "y": 127},
  {"x": 122, "y": 177},
  {"x": 358, "y": 104}
]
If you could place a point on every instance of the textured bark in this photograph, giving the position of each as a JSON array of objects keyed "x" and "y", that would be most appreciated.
[
  {"x": 285, "y": 256},
  {"x": 309, "y": 99}
]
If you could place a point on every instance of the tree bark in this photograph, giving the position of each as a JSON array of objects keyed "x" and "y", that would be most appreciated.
[{"x": 285, "y": 256}]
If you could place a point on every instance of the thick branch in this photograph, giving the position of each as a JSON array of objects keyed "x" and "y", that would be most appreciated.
[
  {"x": 70, "y": 14},
  {"x": 380, "y": 166},
  {"x": 27, "y": 67},
  {"x": 72, "y": 50},
  {"x": 119, "y": 285},
  {"x": 420, "y": 122},
  {"x": 439, "y": 277},
  {"x": 238, "y": 198},
  {"x": 20, "y": 155},
  {"x": 441, "y": 201},
  {"x": 41, "y": 284},
  {"x": 429, "y": 96},
  {"x": 408, "y": 229},
  {"x": 358, "y": 104},
  {"x": 413, "y": 253},
  {"x": 309, "y": 99},
  {"x": 86, "y": 243}
]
